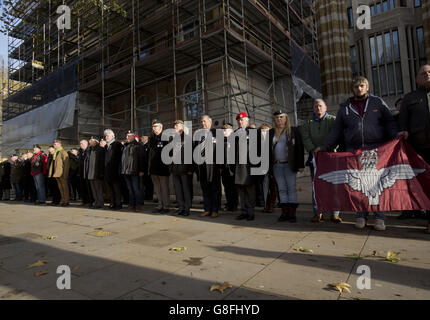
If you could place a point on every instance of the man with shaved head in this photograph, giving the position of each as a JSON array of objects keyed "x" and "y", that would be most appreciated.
[
  {"x": 314, "y": 133},
  {"x": 414, "y": 118}
]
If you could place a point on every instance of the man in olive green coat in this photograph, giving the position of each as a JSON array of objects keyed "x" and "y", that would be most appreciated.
[
  {"x": 59, "y": 169},
  {"x": 314, "y": 133}
]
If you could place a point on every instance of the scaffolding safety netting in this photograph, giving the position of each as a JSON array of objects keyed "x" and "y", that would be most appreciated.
[
  {"x": 53, "y": 86},
  {"x": 305, "y": 73},
  {"x": 40, "y": 125}
]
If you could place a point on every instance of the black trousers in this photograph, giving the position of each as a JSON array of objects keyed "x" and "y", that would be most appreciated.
[
  {"x": 147, "y": 187},
  {"x": 115, "y": 193},
  {"x": 425, "y": 154},
  {"x": 53, "y": 190},
  {"x": 259, "y": 191},
  {"x": 230, "y": 190},
  {"x": 29, "y": 190},
  {"x": 85, "y": 191},
  {"x": 247, "y": 199},
  {"x": 211, "y": 191},
  {"x": 183, "y": 190}
]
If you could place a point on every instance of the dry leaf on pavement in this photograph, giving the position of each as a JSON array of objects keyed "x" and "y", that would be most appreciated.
[
  {"x": 340, "y": 286},
  {"x": 392, "y": 256},
  {"x": 37, "y": 264},
  {"x": 50, "y": 238},
  {"x": 40, "y": 273},
  {"x": 301, "y": 249},
  {"x": 354, "y": 256},
  {"x": 178, "y": 249},
  {"x": 221, "y": 287}
]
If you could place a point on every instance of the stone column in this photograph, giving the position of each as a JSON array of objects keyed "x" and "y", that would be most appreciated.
[
  {"x": 426, "y": 25},
  {"x": 334, "y": 51}
]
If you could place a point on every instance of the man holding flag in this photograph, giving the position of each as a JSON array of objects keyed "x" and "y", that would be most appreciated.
[
  {"x": 364, "y": 121},
  {"x": 414, "y": 118}
]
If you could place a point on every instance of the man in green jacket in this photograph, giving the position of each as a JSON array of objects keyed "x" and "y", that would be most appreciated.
[{"x": 314, "y": 133}]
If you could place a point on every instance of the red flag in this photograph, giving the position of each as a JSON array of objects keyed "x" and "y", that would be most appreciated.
[{"x": 391, "y": 177}]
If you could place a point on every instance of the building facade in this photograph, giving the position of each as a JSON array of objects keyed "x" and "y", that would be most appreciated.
[{"x": 390, "y": 53}]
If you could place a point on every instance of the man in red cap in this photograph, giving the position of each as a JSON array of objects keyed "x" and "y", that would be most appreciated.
[{"x": 245, "y": 183}]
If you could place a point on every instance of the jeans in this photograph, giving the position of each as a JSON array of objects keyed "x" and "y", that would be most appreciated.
[
  {"x": 134, "y": 192},
  {"x": 286, "y": 180},
  {"x": 18, "y": 191},
  {"x": 39, "y": 182},
  {"x": 379, "y": 215},
  {"x": 314, "y": 203}
]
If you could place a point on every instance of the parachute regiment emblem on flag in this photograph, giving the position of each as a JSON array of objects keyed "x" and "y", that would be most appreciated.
[{"x": 371, "y": 181}]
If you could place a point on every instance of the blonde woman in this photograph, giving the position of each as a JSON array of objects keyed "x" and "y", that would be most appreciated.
[{"x": 286, "y": 159}]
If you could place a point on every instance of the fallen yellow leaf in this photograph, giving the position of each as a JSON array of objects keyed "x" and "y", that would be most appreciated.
[
  {"x": 148, "y": 222},
  {"x": 178, "y": 249},
  {"x": 392, "y": 256},
  {"x": 340, "y": 286},
  {"x": 221, "y": 287},
  {"x": 50, "y": 238},
  {"x": 37, "y": 264},
  {"x": 301, "y": 249},
  {"x": 75, "y": 268},
  {"x": 40, "y": 273},
  {"x": 100, "y": 233}
]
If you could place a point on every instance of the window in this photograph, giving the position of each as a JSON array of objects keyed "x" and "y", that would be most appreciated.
[
  {"x": 386, "y": 65},
  {"x": 417, "y": 3},
  {"x": 421, "y": 46},
  {"x": 350, "y": 18},
  {"x": 392, "y": 4},
  {"x": 372, "y": 10},
  {"x": 385, "y": 5},
  {"x": 193, "y": 106},
  {"x": 378, "y": 8}
]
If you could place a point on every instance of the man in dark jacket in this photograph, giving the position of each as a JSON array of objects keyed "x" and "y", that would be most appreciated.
[
  {"x": 84, "y": 184},
  {"x": 16, "y": 175},
  {"x": 38, "y": 172},
  {"x": 209, "y": 174},
  {"x": 157, "y": 169},
  {"x": 132, "y": 169},
  {"x": 227, "y": 173},
  {"x": 148, "y": 186},
  {"x": 414, "y": 118},
  {"x": 182, "y": 174},
  {"x": 245, "y": 182},
  {"x": 5, "y": 178},
  {"x": 365, "y": 121},
  {"x": 96, "y": 170},
  {"x": 74, "y": 174},
  {"x": 113, "y": 155}
]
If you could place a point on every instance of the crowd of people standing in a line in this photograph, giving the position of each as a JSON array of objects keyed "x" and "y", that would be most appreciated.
[{"x": 132, "y": 170}]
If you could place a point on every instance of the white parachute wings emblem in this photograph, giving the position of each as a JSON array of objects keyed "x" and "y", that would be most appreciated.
[{"x": 371, "y": 181}]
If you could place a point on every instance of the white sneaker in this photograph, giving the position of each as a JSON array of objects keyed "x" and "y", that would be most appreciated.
[
  {"x": 379, "y": 225},
  {"x": 360, "y": 223}
]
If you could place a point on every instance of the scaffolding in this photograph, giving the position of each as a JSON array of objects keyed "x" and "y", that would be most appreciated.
[{"x": 172, "y": 59}]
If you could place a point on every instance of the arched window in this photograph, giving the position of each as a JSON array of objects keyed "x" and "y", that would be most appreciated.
[{"x": 193, "y": 101}]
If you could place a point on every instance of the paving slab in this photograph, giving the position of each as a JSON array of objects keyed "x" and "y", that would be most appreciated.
[{"x": 194, "y": 282}]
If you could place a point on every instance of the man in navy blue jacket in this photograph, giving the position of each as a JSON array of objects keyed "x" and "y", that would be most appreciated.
[{"x": 363, "y": 121}]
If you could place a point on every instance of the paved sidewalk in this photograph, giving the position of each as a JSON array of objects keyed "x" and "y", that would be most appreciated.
[{"x": 258, "y": 258}]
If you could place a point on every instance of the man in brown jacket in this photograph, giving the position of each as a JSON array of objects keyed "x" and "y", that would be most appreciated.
[{"x": 59, "y": 169}]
